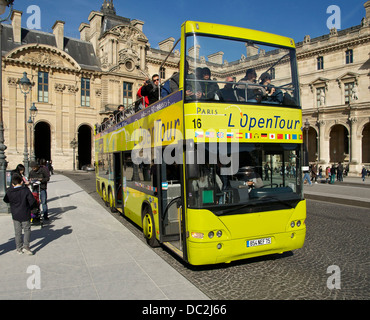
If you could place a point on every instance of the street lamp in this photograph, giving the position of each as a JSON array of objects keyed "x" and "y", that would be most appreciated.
[
  {"x": 3, "y": 5},
  {"x": 307, "y": 127},
  {"x": 30, "y": 123},
  {"x": 33, "y": 113},
  {"x": 25, "y": 86},
  {"x": 3, "y": 163},
  {"x": 74, "y": 144}
]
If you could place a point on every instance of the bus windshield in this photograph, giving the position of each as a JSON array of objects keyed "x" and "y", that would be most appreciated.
[
  {"x": 240, "y": 71},
  {"x": 265, "y": 173}
]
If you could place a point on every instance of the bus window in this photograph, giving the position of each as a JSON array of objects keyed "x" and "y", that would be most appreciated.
[
  {"x": 266, "y": 74},
  {"x": 264, "y": 170}
]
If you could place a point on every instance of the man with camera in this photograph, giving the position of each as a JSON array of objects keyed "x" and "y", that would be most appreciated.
[
  {"x": 273, "y": 95},
  {"x": 150, "y": 89}
]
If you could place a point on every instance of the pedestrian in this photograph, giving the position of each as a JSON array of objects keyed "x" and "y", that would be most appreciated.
[
  {"x": 21, "y": 202},
  {"x": 20, "y": 170},
  {"x": 306, "y": 171},
  {"x": 327, "y": 174},
  {"x": 332, "y": 173},
  {"x": 363, "y": 173},
  {"x": 39, "y": 174},
  {"x": 314, "y": 173},
  {"x": 340, "y": 172},
  {"x": 50, "y": 166},
  {"x": 320, "y": 172}
]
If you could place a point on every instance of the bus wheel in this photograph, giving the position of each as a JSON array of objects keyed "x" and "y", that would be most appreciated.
[
  {"x": 149, "y": 228},
  {"x": 111, "y": 201},
  {"x": 104, "y": 196}
]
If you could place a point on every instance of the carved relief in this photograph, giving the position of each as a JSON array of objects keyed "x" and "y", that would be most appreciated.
[
  {"x": 72, "y": 88},
  {"x": 43, "y": 58},
  {"x": 43, "y": 55},
  {"x": 12, "y": 81},
  {"x": 59, "y": 87},
  {"x": 129, "y": 41}
]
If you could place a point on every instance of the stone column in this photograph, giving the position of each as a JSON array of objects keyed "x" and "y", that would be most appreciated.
[{"x": 59, "y": 89}]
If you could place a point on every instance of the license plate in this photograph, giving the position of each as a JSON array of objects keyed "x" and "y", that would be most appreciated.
[{"x": 258, "y": 242}]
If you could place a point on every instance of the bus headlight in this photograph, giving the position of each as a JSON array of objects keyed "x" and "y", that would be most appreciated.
[
  {"x": 211, "y": 234},
  {"x": 298, "y": 223},
  {"x": 219, "y": 233},
  {"x": 197, "y": 235},
  {"x": 292, "y": 224}
]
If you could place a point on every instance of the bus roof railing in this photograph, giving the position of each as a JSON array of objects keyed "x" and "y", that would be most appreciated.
[{"x": 116, "y": 117}]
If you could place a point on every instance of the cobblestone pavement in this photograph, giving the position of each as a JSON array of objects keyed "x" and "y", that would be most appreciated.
[{"x": 336, "y": 235}]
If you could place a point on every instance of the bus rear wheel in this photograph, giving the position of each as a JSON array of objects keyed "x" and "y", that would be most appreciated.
[
  {"x": 105, "y": 196},
  {"x": 111, "y": 201},
  {"x": 149, "y": 228}
]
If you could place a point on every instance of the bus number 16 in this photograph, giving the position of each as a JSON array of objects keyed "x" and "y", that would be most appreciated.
[{"x": 197, "y": 123}]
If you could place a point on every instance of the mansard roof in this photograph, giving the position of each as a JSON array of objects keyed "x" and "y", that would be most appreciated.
[{"x": 81, "y": 51}]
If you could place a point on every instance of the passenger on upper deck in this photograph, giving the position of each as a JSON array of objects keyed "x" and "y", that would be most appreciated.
[
  {"x": 142, "y": 103},
  {"x": 273, "y": 95},
  {"x": 193, "y": 88},
  {"x": 254, "y": 92},
  {"x": 151, "y": 89},
  {"x": 209, "y": 89},
  {"x": 228, "y": 93},
  {"x": 119, "y": 113}
]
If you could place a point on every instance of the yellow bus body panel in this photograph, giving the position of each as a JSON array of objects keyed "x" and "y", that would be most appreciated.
[
  {"x": 238, "y": 33},
  {"x": 237, "y": 229},
  {"x": 245, "y": 123}
]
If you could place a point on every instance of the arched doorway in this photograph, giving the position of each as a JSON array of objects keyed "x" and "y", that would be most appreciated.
[
  {"x": 42, "y": 141},
  {"x": 84, "y": 146},
  {"x": 366, "y": 144},
  {"x": 339, "y": 144},
  {"x": 312, "y": 143}
]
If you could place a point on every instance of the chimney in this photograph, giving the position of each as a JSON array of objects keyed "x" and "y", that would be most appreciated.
[
  {"x": 166, "y": 45},
  {"x": 193, "y": 52},
  {"x": 216, "y": 57},
  {"x": 367, "y": 8},
  {"x": 84, "y": 31},
  {"x": 138, "y": 24},
  {"x": 58, "y": 31},
  {"x": 16, "y": 24},
  {"x": 252, "y": 50}
]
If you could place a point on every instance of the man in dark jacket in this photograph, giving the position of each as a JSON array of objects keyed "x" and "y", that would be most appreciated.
[
  {"x": 151, "y": 89},
  {"x": 39, "y": 174},
  {"x": 21, "y": 202}
]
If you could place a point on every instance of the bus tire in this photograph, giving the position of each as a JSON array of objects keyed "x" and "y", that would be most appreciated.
[
  {"x": 149, "y": 228},
  {"x": 104, "y": 195},
  {"x": 111, "y": 201}
]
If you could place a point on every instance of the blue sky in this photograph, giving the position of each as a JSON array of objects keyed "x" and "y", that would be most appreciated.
[{"x": 292, "y": 18}]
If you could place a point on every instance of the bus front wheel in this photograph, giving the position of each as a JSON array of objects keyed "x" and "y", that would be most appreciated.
[{"x": 149, "y": 228}]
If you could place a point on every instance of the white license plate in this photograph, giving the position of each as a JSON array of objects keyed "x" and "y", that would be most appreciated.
[{"x": 258, "y": 242}]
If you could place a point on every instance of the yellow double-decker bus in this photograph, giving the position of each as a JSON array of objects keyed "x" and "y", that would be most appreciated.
[{"x": 213, "y": 169}]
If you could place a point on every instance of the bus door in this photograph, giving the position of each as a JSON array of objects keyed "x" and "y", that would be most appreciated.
[
  {"x": 117, "y": 179},
  {"x": 172, "y": 207}
]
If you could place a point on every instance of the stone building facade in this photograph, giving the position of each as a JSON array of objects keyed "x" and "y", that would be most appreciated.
[
  {"x": 79, "y": 82},
  {"x": 335, "y": 89}
]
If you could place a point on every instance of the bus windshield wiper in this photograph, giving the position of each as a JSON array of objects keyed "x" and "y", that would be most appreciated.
[
  {"x": 285, "y": 202},
  {"x": 257, "y": 202},
  {"x": 238, "y": 207}
]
